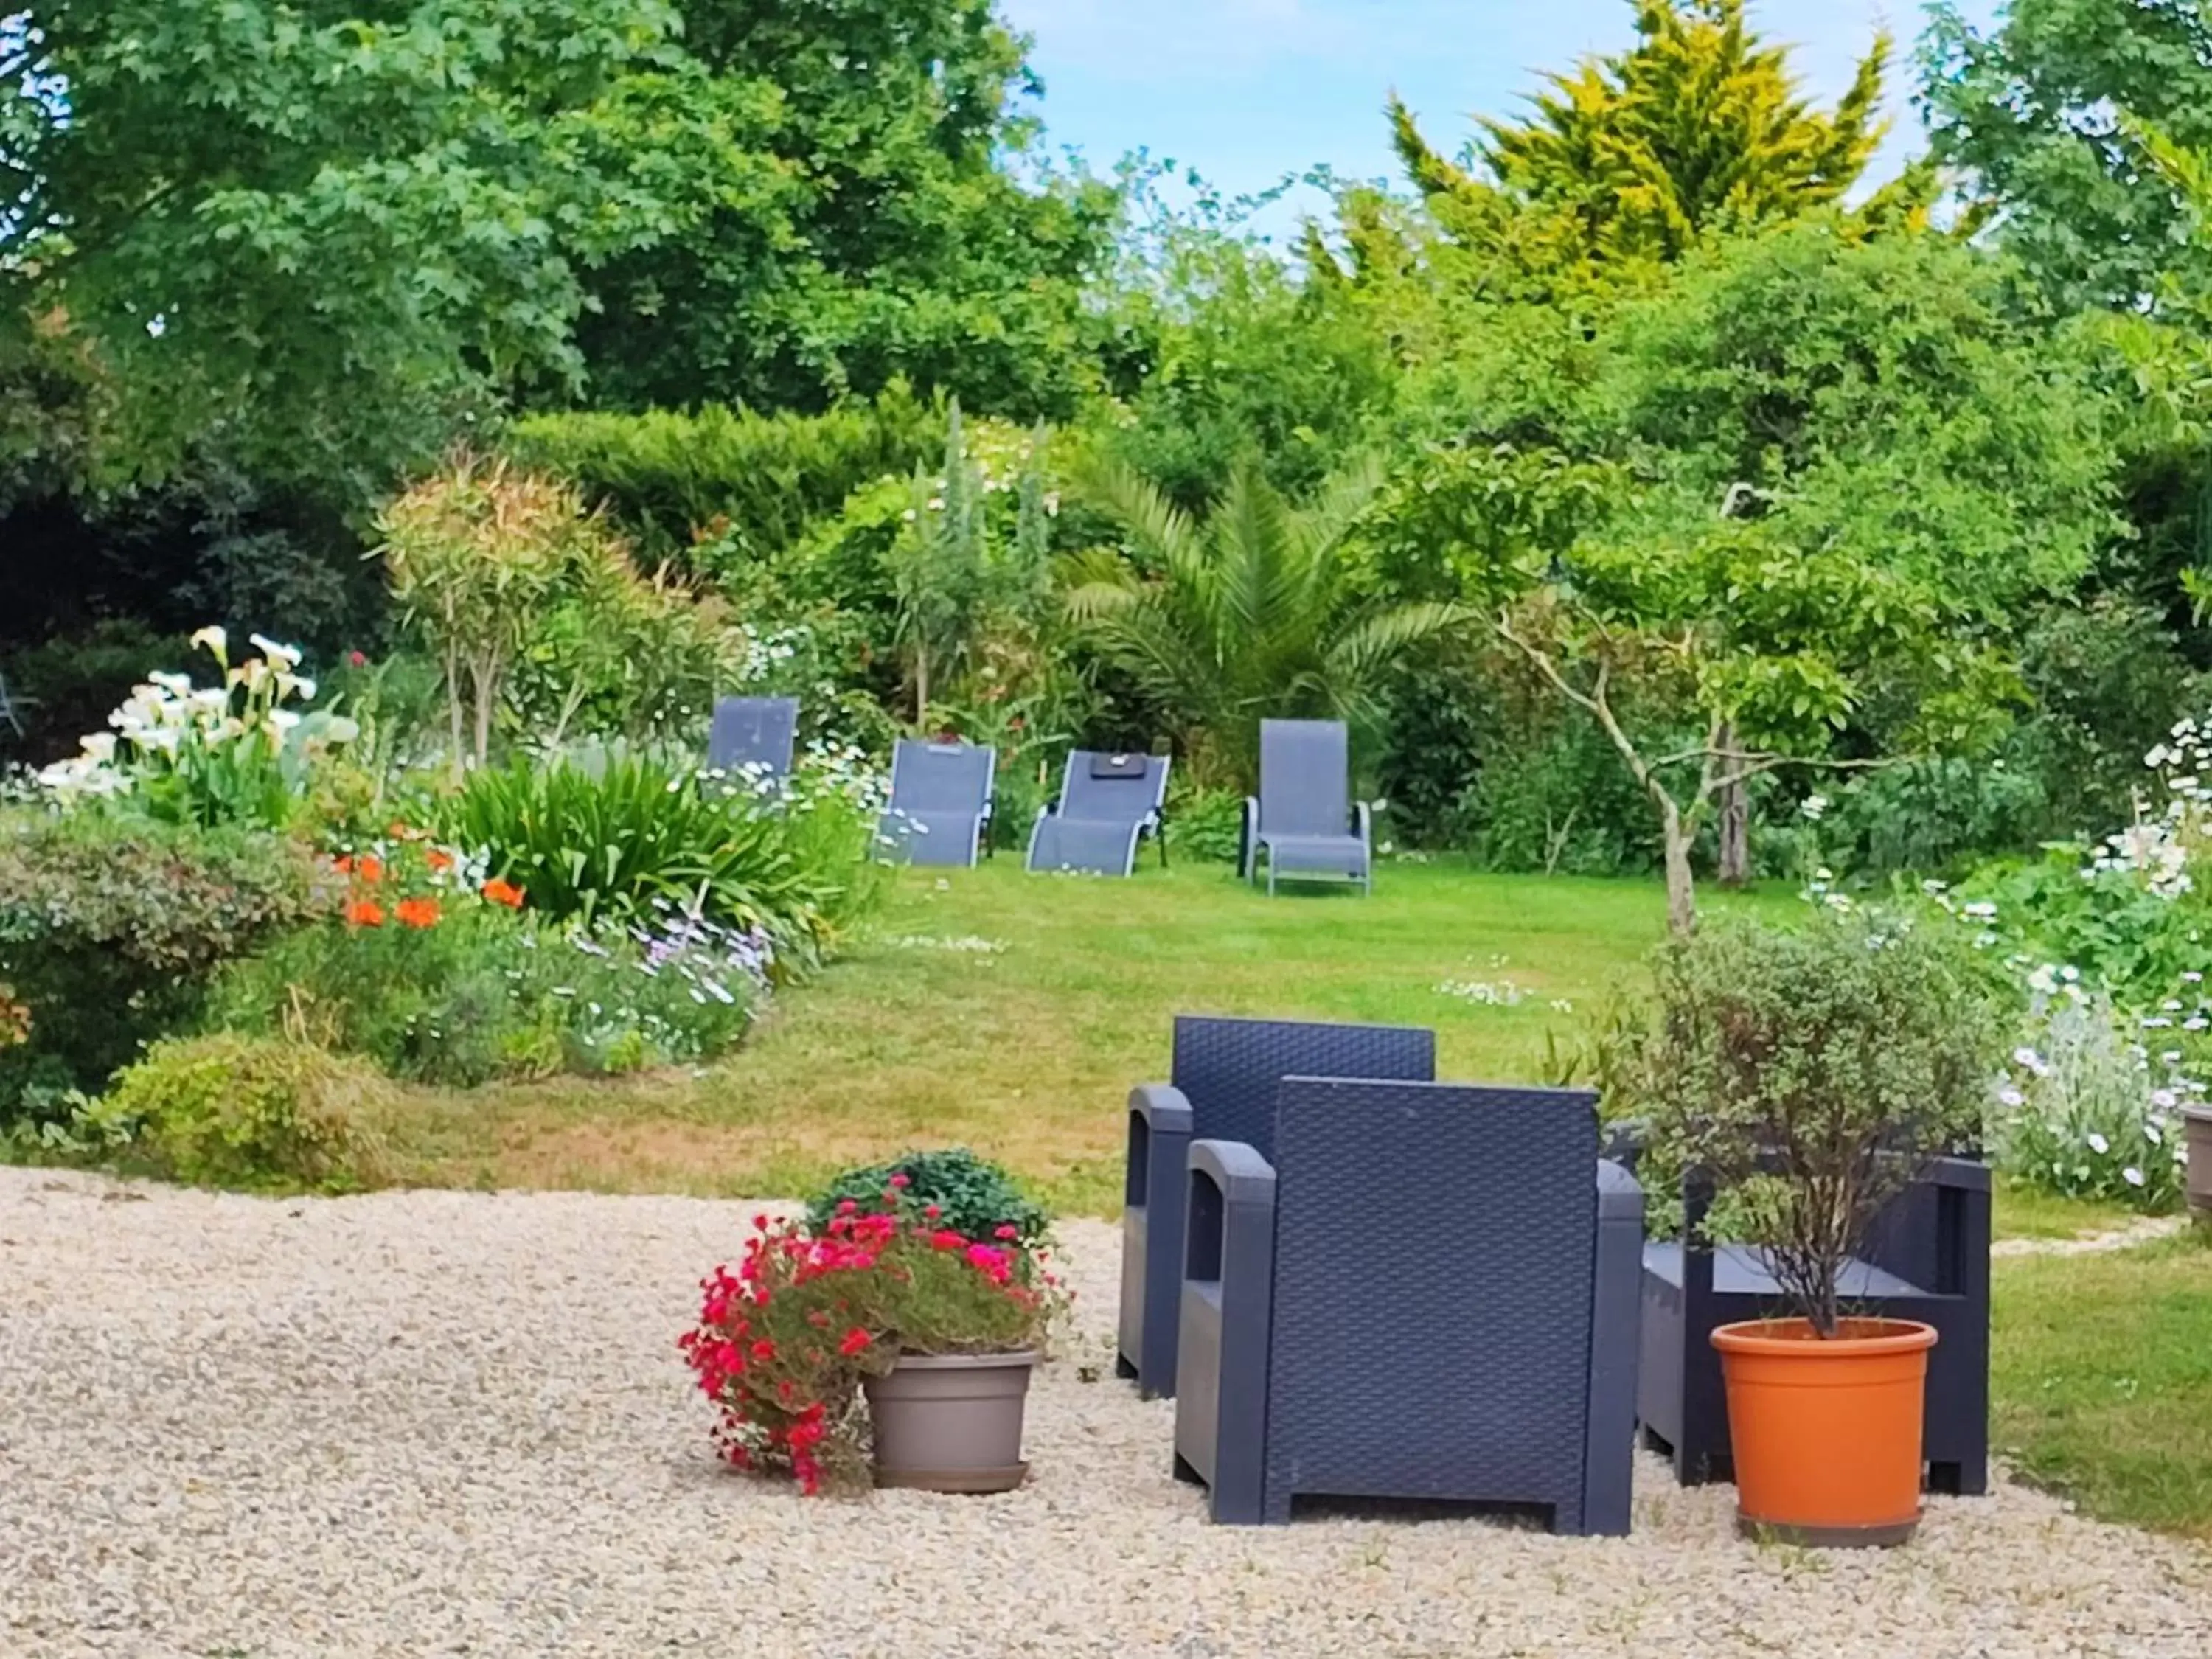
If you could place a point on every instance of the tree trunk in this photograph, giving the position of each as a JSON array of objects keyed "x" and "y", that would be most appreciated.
[
  {"x": 454, "y": 696},
  {"x": 920, "y": 689},
  {"x": 1681, "y": 882},
  {"x": 1734, "y": 866}
]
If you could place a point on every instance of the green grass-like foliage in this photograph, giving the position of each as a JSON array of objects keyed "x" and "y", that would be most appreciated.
[
  {"x": 972, "y": 1195},
  {"x": 232, "y": 1110},
  {"x": 621, "y": 841}
]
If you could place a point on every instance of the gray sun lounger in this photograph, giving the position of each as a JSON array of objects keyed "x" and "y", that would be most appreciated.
[
  {"x": 1428, "y": 1292},
  {"x": 1303, "y": 820},
  {"x": 1108, "y": 804},
  {"x": 1225, "y": 1074},
  {"x": 940, "y": 803},
  {"x": 755, "y": 734}
]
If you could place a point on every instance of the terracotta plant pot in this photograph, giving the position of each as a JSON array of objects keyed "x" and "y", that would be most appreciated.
[
  {"x": 1826, "y": 1435},
  {"x": 2197, "y": 1137},
  {"x": 952, "y": 1422}
]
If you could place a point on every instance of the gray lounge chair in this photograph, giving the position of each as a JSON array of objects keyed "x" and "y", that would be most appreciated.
[
  {"x": 1225, "y": 1075},
  {"x": 1428, "y": 1292},
  {"x": 754, "y": 733},
  {"x": 1108, "y": 804},
  {"x": 940, "y": 803},
  {"x": 1304, "y": 819}
]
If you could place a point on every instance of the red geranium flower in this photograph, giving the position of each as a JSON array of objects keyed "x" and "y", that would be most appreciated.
[{"x": 855, "y": 1340}]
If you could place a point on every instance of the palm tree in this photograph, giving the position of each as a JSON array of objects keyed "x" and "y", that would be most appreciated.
[{"x": 1253, "y": 614}]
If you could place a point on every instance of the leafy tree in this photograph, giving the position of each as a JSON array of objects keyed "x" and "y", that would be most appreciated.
[
  {"x": 1253, "y": 614},
  {"x": 904, "y": 242},
  {"x": 322, "y": 231},
  {"x": 1858, "y": 478},
  {"x": 2036, "y": 109},
  {"x": 1697, "y": 128}
]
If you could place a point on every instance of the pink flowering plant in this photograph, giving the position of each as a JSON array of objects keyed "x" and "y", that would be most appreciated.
[{"x": 784, "y": 1342}]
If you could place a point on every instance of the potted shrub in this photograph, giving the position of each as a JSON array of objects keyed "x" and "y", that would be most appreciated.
[
  {"x": 1810, "y": 1074},
  {"x": 882, "y": 1340}
]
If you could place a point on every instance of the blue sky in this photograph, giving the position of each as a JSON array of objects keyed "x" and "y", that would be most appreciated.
[{"x": 1247, "y": 90}]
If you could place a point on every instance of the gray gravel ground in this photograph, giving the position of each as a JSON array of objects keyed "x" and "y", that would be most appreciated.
[{"x": 445, "y": 1423}]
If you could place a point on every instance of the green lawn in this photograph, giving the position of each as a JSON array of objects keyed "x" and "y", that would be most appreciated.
[
  {"x": 2102, "y": 1378},
  {"x": 1026, "y": 1049}
]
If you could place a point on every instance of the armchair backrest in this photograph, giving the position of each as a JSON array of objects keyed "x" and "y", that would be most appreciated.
[
  {"x": 1435, "y": 1253},
  {"x": 1231, "y": 1071},
  {"x": 1305, "y": 778},
  {"x": 949, "y": 778}
]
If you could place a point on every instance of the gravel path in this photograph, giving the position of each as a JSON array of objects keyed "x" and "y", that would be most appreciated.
[{"x": 442, "y": 1423}]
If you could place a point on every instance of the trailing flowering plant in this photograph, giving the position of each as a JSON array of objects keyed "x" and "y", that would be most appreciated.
[{"x": 784, "y": 1342}]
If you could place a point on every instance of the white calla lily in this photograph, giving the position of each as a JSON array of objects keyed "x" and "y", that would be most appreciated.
[{"x": 214, "y": 639}]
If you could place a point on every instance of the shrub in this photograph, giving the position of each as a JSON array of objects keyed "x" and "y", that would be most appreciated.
[
  {"x": 1204, "y": 823},
  {"x": 756, "y": 482},
  {"x": 1811, "y": 1073},
  {"x": 970, "y": 1194},
  {"x": 111, "y": 926},
  {"x": 782, "y": 1344},
  {"x": 2084, "y": 1113},
  {"x": 438, "y": 980},
  {"x": 231, "y": 1110},
  {"x": 617, "y": 841}
]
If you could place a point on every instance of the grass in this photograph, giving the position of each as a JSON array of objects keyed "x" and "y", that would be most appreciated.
[
  {"x": 2101, "y": 1375},
  {"x": 1026, "y": 1050},
  {"x": 2024, "y": 1211}
]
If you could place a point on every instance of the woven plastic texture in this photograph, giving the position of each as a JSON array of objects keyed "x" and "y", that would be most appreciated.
[
  {"x": 1305, "y": 778},
  {"x": 1435, "y": 1250},
  {"x": 755, "y": 732},
  {"x": 1230, "y": 1069}
]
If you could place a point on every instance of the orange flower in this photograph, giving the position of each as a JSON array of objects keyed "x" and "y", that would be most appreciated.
[
  {"x": 369, "y": 867},
  {"x": 439, "y": 861},
  {"x": 343, "y": 865},
  {"x": 365, "y": 913},
  {"x": 503, "y": 892},
  {"x": 418, "y": 912}
]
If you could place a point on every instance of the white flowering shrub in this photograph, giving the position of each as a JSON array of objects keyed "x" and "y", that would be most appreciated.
[
  {"x": 2091, "y": 1107},
  {"x": 237, "y": 751}
]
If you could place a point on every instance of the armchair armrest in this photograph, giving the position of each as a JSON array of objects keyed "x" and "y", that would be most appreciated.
[
  {"x": 1362, "y": 822},
  {"x": 1227, "y": 1315},
  {"x": 1616, "y": 1305},
  {"x": 1248, "y": 836},
  {"x": 1163, "y": 1106}
]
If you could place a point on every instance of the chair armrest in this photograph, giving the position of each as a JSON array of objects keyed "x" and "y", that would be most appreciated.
[
  {"x": 1249, "y": 836},
  {"x": 1615, "y": 1339},
  {"x": 1242, "y": 1175},
  {"x": 1231, "y": 1227},
  {"x": 1163, "y": 1106},
  {"x": 1362, "y": 822},
  {"x": 1968, "y": 1174}
]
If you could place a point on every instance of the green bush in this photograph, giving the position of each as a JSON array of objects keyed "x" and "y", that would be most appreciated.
[
  {"x": 973, "y": 1195},
  {"x": 756, "y": 484},
  {"x": 1206, "y": 824},
  {"x": 621, "y": 840},
  {"x": 111, "y": 925},
  {"x": 232, "y": 1110},
  {"x": 1810, "y": 1073},
  {"x": 484, "y": 994}
]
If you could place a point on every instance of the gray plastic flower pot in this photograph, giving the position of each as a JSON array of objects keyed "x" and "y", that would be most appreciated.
[
  {"x": 952, "y": 1422},
  {"x": 2197, "y": 1137}
]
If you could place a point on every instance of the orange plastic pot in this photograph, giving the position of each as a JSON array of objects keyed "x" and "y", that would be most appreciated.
[{"x": 1827, "y": 1434}]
